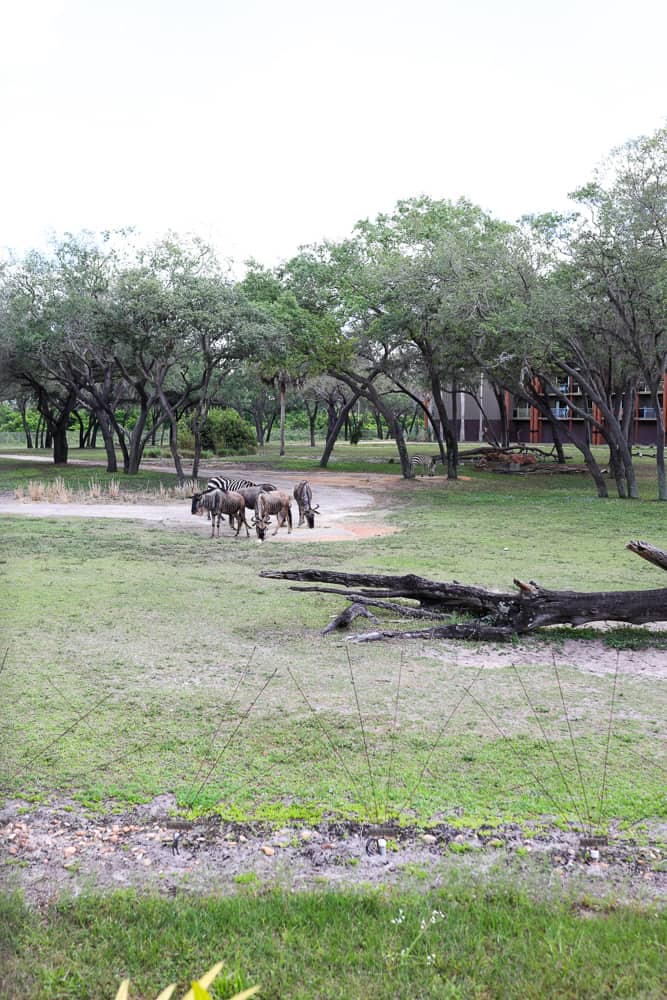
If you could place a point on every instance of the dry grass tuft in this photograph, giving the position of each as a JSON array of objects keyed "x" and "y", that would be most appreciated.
[
  {"x": 57, "y": 491},
  {"x": 184, "y": 490},
  {"x": 36, "y": 490}
]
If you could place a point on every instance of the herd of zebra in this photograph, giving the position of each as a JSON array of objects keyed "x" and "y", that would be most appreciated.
[{"x": 232, "y": 497}]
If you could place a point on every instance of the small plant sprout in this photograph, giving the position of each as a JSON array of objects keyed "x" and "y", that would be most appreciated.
[{"x": 424, "y": 925}]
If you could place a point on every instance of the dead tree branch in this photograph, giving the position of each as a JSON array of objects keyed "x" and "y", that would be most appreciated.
[{"x": 498, "y": 616}]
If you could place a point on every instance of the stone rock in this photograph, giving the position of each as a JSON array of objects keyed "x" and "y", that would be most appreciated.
[
  {"x": 11, "y": 810},
  {"x": 269, "y": 851},
  {"x": 160, "y": 807},
  {"x": 428, "y": 838}
]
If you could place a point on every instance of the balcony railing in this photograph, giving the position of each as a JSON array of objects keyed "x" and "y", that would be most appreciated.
[
  {"x": 560, "y": 412},
  {"x": 646, "y": 412},
  {"x": 521, "y": 413}
]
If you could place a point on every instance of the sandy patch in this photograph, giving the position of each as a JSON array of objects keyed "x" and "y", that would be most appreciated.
[{"x": 343, "y": 502}]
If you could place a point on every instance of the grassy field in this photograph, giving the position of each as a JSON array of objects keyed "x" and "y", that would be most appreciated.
[
  {"x": 140, "y": 660},
  {"x": 477, "y": 942}
]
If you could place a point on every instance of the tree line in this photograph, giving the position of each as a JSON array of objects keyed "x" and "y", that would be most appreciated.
[{"x": 402, "y": 316}]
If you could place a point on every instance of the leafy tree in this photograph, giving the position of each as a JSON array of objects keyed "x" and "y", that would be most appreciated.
[{"x": 619, "y": 248}]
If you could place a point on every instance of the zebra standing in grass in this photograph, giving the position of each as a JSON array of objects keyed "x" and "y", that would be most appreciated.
[{"x": 423, "y": 462}]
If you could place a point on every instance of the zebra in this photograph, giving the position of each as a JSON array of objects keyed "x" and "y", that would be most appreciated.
[
  {"x": 304, "y": 498},
  {"x": 423, "y": 462},
  {"x": 233, "y": 486},
  {"x": 217, "y": 483},
  {"x": 217, "y": 503},
  {"x": 272, "y": 502}
]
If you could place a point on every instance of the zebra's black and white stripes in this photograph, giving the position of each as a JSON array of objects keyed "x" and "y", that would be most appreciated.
[
  {"x": 425, "y": 463},
  {"x": 228, "y": 485}
]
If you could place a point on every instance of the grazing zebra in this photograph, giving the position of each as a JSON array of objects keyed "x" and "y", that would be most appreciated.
[
  {"x": 304, "y": 498},
  {"x": 217, "y": 503},
  {"x": 233, "y": 486},
  {"x": 423, "y": 462},
  {"x": 273, "y": 502}
]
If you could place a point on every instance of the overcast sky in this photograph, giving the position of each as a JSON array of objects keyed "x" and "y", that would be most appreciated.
[{"x": 263, "y": 125}]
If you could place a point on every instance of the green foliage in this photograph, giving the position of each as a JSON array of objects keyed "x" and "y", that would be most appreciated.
[
  {"x": 10, "y": 418},
  {"x": 226, "y": 432}
]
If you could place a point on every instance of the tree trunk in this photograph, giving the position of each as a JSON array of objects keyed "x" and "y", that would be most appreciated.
[
  {"x": 109, "y": 443},
  {"x": 24, "y": 422},
  {"x": 60, "y": 446},
  {"x": 283, "y": 393},
  {"x": 334, "y": 431},
  {"x": 659, "y": 444}
]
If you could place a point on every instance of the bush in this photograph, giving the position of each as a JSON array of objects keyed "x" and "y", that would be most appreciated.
[{"x": 227, "y": 431}]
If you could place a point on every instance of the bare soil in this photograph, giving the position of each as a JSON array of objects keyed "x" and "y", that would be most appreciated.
[
  {"x": 58, "y": 849},
  {"x": 350, "y": 507}
]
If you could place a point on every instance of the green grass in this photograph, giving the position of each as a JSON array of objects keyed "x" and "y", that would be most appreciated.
[
  {"x": 178, "y": 635},
  {"x": 484, "y": 942},
  {"x": 170, "y": 638}
]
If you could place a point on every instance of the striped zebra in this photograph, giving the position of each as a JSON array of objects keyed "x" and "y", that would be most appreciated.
[
  {"x": 232, "y": 486},
  {"x": 423, "y": 462},
  {"x": 227, "y": 485}
]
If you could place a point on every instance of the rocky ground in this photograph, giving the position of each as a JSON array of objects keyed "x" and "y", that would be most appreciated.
[{"x": 59, "y": 849}]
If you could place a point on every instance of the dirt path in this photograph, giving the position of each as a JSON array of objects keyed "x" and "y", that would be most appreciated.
[
  {"x": 59, "y": 848},
  {"x": 348, "y": 505}
]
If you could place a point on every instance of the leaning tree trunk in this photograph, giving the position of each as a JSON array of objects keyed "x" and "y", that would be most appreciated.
[
  {"x": 335, "y": 429},
  {"x": 24, "y": 422},
  {"x": 660, "y": 445},
  {"x": 499, "y": 616}
]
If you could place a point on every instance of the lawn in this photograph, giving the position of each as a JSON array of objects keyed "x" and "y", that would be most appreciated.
[{"x": 139, "y": 660}]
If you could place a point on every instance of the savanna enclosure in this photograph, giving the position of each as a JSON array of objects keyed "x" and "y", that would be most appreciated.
[
  {"x": 204, "y": 756},
  {"x": 174, "y": 722}
]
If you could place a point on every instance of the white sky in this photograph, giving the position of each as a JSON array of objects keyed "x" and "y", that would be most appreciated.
[{"x": 263, "y": 125}]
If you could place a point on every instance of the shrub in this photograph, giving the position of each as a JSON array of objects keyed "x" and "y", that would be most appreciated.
[{"x": 227, "y": 431}]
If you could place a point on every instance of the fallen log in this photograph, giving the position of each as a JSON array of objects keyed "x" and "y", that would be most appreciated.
[
  {"x": 498, "y": 616},
  {"x": 649, "y": 552},
  {"x": 342, "y": 620}
]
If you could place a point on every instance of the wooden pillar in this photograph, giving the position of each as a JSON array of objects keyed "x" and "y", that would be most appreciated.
[
  {"x": 570, "y": 395},
  {"x": 535, "y": 418},
  {"x": 664, "y": 404},
  {"x": 508, "y": 415},
  {"x": 596, "y": 436}
]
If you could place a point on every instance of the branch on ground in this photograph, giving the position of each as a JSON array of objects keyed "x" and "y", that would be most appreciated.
[{"x": 498, "y": 616}]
